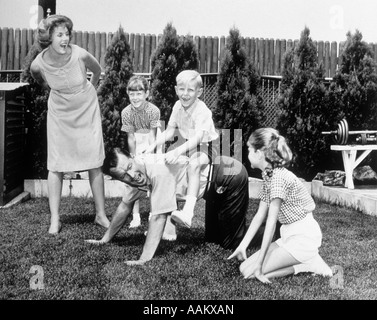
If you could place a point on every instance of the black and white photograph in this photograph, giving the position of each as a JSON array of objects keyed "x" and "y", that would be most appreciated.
[{"x": 192, "y": 157}]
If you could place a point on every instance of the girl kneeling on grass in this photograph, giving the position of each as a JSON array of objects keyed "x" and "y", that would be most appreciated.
[{"x": 284, "y": 198}]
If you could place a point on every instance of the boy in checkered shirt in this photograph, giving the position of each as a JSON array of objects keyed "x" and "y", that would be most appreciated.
[{"x": 284, "y": 198}]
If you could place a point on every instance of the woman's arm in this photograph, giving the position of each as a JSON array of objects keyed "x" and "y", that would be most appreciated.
[
  {"x": 92, "y": 64},
  {"x": 37, "y": 76}
]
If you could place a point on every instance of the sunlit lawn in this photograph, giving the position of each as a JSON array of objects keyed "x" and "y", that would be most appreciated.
[{"x": 187, "y": 269}]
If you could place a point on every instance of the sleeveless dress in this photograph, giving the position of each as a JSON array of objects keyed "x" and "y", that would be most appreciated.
[{"x": 74, "y": 126}]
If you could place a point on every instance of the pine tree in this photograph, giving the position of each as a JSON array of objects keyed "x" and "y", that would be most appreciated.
[
  {"x": 112, "y": 92},
  {"x": 172, "y": 55},
  {"x": 238, "y": 104},
  {"x": 36, "y": 120},
  {"x": 304, "y": 109},
  {"x": 355, "y": 84}
]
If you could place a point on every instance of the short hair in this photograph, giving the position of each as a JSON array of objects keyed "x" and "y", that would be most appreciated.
[
  {"x": 111, "y": 160},
  {"x": 186, "y": 76},
  {"x": 137, "y": 83},
  {"x": 47, "y": 26},
  {"x": 274, "y": 146}
]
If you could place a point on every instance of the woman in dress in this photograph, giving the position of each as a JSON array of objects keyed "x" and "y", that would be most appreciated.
[{"x": 74, "y": 127}]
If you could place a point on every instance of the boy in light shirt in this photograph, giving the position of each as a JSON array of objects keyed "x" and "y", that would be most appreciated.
[{"x": 193, "y": 119}]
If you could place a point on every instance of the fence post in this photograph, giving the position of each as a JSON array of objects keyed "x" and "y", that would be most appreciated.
[
  {"x": 10, "y": 49},
  {"x": 85, "y": 40},
  {"x": 141, "y": 53},
  {"x": 334, "y": 59},
  {"x": 222, "y": 47},
  {"x": 79, "y": 38},
  {"x": 147, "y": 53},
  {"x": 17, "y": 48},
  {"x": 23, "y": 46},
  {"x": 91, "y": 44},
  {"x": 4, "y": 48},
  {"x": 320, "y": 53},
  {"x": 215, "y": 55},
  {"x": 74, "y": 37},
  {"x": 209, "y": 54},
  {"x": 103, "y": 49},
  {"x": 327, "y": 59},
  {"x": 283, "y": 50},
  {"x": 136, "y": 52},
  {"x": 97, "y": 41},
  {"x": 202, "y": 55},
  {"x": 276, "y": 70}
]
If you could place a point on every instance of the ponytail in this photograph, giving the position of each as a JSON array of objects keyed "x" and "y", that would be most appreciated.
[{"x": 274, "y": 146}]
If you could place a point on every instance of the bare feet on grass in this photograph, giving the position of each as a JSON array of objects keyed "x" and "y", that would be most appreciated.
[
  {"x": 55, "y": 227},
  {"x": 102, "y": 221}
]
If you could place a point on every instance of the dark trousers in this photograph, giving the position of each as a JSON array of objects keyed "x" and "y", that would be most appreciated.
[{"x": 227, "y": 200}]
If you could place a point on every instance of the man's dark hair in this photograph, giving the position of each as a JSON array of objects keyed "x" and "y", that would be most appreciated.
[{"x": 111, "y": 159}]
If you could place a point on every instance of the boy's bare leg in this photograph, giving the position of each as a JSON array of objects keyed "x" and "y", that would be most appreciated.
[{"x": 184, "y": 217}]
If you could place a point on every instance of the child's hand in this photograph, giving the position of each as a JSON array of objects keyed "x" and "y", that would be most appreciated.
[
  {"x": 239, "y": 253},
  {"x": 135, "y": 262},
  {"x": 171, "y": 157},
  {"x": 149, "y": 149},
  {"x": 254, "y": 270},
  {"x": 96, "y": 242}
]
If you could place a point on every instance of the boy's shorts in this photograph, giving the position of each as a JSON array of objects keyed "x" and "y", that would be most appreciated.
[{"x": 211, "y": 149}]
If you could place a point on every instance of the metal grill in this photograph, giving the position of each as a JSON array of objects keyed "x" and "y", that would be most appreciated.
[
  {"x": 209, "y": 95},
  {"x": 10, "y": 76},
  {"x": 270, "y": 91}
]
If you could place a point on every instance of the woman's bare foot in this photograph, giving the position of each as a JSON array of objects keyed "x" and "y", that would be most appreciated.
[
  {"x": 55, "y": 227},
  {"x": 102, "y": 221}
]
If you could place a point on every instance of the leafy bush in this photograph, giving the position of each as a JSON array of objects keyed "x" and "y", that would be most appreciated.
[
  {"x": 36, "y": 121},
  {"x": 238, "y": 104},
  {"x": 172, "y": 55},
  {"x": 112, "y": 92},
  {"x": 304, "y": 110}
]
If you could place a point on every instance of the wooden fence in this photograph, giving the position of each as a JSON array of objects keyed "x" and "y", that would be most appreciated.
[{"x": 267, "y": 54}]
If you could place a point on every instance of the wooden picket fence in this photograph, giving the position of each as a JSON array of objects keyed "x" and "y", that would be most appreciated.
[{"x": 267, "y": 54}]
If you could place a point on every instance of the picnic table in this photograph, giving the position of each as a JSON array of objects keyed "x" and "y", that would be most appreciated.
[{"x": 350, "y": 159}]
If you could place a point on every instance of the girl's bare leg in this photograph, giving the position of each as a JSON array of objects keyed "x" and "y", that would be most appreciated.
[
  {"x": 98, "y": 189},
  {"x": 277, "y": 263},
  {"x": 54, "y": 184}
]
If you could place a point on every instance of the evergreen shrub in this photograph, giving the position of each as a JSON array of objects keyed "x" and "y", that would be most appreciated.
[
  {"x": 112, "y": 91},
  {"x": 238, "y": 104},
  {"x": 36, "y": 121},
  {"x": 304, "y": 110}
]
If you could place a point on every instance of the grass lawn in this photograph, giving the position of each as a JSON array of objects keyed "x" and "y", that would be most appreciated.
[{"x": 187, "y": 269}]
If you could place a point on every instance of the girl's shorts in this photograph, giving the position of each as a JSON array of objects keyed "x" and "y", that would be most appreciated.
[{"x": 301, "y": 238}]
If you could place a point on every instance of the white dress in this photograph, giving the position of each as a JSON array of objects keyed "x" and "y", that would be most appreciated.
[{"x": 74, "y": 126}]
